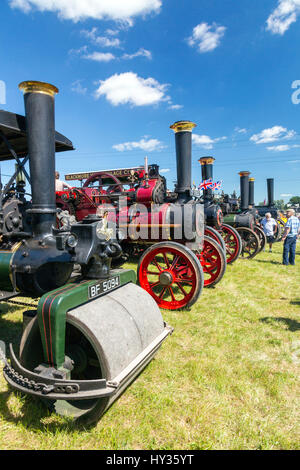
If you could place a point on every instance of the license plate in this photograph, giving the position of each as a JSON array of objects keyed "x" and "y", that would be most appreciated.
[{"x": 103, "y": 287}]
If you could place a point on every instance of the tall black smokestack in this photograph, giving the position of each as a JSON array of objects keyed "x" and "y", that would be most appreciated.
[
  {"x": 39, "y": 109},
  {"x": 207, "y": 173},
  {"x": 244, "y": 181},
  {"x": 183, "y": 139},
  {"x": 270, "y": 183},
  {"x": 251, "y": 192}
]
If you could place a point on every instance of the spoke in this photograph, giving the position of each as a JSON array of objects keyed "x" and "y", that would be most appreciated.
[
  {"x": 172, "y": 294},
  {"x": 184, "y": 280},
  {"x": 166, "y": 260},
  {"x": 157, "y": 265},
  {"x": 182, "y": 289},
  {"x": 152, "y": 273},
  {"x": 162, "y": 293},
  {"x": 154, "y": 284},
  {"x": 175, "y": 261}
]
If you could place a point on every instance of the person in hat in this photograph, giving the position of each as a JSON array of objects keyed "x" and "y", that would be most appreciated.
[{"x": 290, "y": 236}]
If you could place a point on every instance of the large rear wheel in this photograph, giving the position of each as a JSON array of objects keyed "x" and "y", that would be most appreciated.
[
  {"x": 215, "y": 235},
  {"x": 250, "y": 243},
  {"x": 172, "y": 274},
  {"x": 213, "y": 262},
  {"x": 232, "y": 241},
  {"x": 261, "y": 236}
]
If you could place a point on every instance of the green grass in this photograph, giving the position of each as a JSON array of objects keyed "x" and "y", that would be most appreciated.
[{"x": 228, "y": 377}]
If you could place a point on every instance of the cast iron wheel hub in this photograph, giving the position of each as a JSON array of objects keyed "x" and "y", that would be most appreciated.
[{"x": 166, "y": 278}]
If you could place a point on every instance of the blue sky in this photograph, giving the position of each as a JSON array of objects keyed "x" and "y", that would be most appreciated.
[{"x": 127, "y": 70}]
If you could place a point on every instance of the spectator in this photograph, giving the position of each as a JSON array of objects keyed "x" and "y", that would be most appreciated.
[
  {"x": 290, "y": 235},
  {"x": 269, "y": 226},
  {"x": 61, "y": 185}
]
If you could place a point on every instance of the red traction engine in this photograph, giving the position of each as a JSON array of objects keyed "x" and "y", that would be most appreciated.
[
  {"x": 165, "y": 229},
  {"x": 224, "y": 234}
]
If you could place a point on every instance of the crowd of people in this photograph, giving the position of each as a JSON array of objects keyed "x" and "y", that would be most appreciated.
[{"x": 290, "y": 235}]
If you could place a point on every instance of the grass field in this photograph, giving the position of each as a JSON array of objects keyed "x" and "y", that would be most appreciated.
[{"x": 228, "y": 377}]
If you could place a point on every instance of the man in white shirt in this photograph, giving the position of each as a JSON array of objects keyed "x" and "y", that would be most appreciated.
[
  {"x": 269, "y": 226},
  {"x": 61, "y": 185}
]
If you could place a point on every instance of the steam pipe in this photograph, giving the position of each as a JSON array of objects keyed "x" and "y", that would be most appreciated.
[
  {"x": 39, "y": 110},
  {"x": 244, "y": 182},
  {"x": 183, "y": 140}
]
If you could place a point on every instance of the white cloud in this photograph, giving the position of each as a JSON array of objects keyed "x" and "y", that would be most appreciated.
[
  {"x": 285, "y": 195},
  {"x": 206, "y": 37},
  {"x": 148, "y": 145},
  {"x": 102, "y": 41},
  {"x": 100, "y": 56},
  {"x": 112, "y": 32},
  {"x": 293, "y": 161},
  {"x": 283, "y": 16},
  {"x": 272, "y": 134},
  {"x": 240, "y": 131},
  {"x": 140, "y": 53},
  {"x": 176, "y": 106},
  {"x": 77, "y": 10},
  {"x": 164, "y": 170},
  {"x": 129, "y": 88},
  {"x": 205, "y": 141},
  {"x": 282, "y": 148},
  {"x": 78, "y": 88}
]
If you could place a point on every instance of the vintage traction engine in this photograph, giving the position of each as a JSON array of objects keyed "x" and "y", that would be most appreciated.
[
  {"x": 241, "y": 214},
  {"x": 165, "y": 229},
  {"x": 214, "y": 220},
  {"x": 93, "y": 333},
  {"x": 274, "y": 211}
]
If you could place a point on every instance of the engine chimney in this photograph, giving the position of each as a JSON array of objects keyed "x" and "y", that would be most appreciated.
[
  {"x": 270, "y": 183},
  {"x": 207, "y": 173},
  {"x": 183, "y": 139},
  {"x": 39, "y": 110},
  {"x": 251, "y": 192},
  {"x": 244, "y": 182}
]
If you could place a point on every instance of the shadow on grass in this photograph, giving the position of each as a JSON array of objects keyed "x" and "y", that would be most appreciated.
[
  {"x": 293, "y": 325},
  {"x": 295, "y": 302},
  {"x": 30, "y": 414},
  {"x": 269, "y": 262}
]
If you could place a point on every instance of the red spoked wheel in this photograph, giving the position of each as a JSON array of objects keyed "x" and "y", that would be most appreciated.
[
  {"x": 232, "y": 241},
  {"x": 214, "y": 234},
  {"x": 213, "y": 262},
  {"x": 171, "y": 274}
]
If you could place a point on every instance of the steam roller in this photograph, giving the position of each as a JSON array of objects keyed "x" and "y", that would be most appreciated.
[{"x": 92, "y": 333}]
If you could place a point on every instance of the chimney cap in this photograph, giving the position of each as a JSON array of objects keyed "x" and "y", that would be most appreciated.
[
  {"x": 38, "y": 87},
  {"x": 206, "y": 160},
  {"x": 183, "y": 126},
  {"x": 245, "y": 173},
  {"x": 251, "y": 179}
]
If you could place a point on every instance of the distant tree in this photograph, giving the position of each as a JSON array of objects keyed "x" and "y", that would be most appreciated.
[
  {"x": 294, "y": 200},
  {"x": 280, "y": 204}
]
